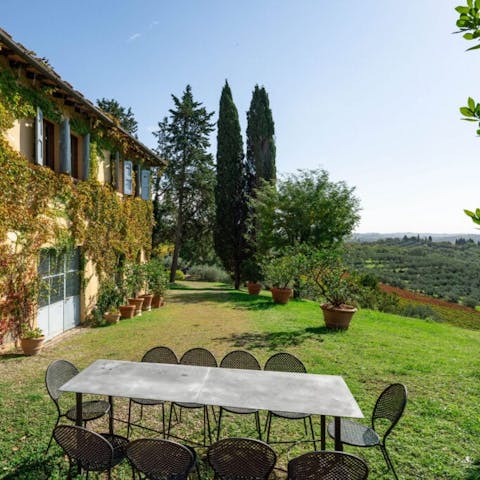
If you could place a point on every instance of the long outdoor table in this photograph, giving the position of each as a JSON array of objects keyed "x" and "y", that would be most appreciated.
[{"x": 306, "y": 393}]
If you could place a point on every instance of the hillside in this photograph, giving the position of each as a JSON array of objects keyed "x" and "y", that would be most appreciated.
[{"x": 442, "y": 270}]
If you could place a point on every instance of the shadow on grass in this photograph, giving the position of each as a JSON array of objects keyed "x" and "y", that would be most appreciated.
[
  {"x": 34, "y": 469},
  {"x": 275, "y": 340},
  {"x": 10, "y": 356},
  {"x": 473, "y": 472},
  {"x": 219, "y": 288}
]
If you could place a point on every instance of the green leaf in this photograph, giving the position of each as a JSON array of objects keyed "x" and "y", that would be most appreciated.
[
  {"x": 462, "y": 9},
  {"x": 470, "y": 3},
  {"x": 477, "y": 212},
  {"x": 466, "y": 112},
  {"x": 471, "y": 104},
  {"x": 478, "y": 132},
  {"x": 469, "y": 213},
  {"x": 469, "y": 119},
  {"x": 468, "y": 36},
  {"x": 477, "y": 4},
  {"x": 473, "y": 48}
]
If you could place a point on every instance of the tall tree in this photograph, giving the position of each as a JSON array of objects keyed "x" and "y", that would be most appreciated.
[
  {"x": 230, "y": 190},
  {"x": 260, "y": 140},
  {"x": 187, "y": 184},
  {"x": 125, "y": 116}
]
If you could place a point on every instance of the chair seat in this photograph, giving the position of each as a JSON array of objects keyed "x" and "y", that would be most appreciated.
[
  {"x": 356, "y": 434},
  {"x": 189, "y": 405},
  {"x": 91, "y": 410},
  {"x": 119, "y": 445},
  {"x": 240, "y": 411},
  {"x": 290, "y": 415},
  {"x": 144, "y": 401}
]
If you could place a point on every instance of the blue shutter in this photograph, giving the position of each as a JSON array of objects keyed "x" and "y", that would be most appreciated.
[
  {"x": 39, "y": 138},
  {"x": 86, "y": 157},
  {"x": 145, "y": 184},
  {"x": 127, "y": 177},
  {"x": 65, "y": 147}
]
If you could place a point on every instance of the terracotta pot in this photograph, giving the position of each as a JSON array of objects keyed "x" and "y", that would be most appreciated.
[
  {"x": 112, "y": 317},
  {"x": 254, "y": 288},
  {"x": 147, "y": 302},
  {"x": 281, "y": 295},
  {"x": 157, "y": 301},
  {"x": 337, "y": 318},
  {"x": 127, "y": 311},
  {"x": 32, "y": 346},
  {"x": 138, "y": 302}
]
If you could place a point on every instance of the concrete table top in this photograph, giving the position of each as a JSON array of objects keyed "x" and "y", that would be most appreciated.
[{"x": 257, "y": 389}]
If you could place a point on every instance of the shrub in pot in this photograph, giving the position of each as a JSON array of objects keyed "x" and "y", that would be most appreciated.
[
  {"x": 252, "y": 272},
  {"x": 134, "y": 282},
  {"x": 157, "y": 281},
  {"x": 31, "y": 339},
  {"x": 337, "y": 289},
  {"x": 279, "y": 273}
]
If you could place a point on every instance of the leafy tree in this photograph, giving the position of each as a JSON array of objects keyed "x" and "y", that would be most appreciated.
[
  {"x": 185, "y": 192},
  {"x": 125, "y": 116},
  {"x": 230, "y": 190},
  {"x": 305, "y": 208},
  {"x": 260, "y": 140}
]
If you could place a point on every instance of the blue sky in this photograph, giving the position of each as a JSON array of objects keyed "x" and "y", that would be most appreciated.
[{"x": 368, "y": 90}]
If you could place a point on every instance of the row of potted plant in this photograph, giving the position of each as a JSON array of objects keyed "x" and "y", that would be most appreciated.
[
  {"x": 123, "y": 298},
  {"x": 321, "y": 272}
]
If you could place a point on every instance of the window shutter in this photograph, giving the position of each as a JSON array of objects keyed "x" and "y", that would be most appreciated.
[
  {"x": 86, "y": 157},
  {"x": 39, "y": 137},
  {"x": 127, "y": 177},
  {"x": 65, "y": 147},
  {"x": 145, "y": 184}
]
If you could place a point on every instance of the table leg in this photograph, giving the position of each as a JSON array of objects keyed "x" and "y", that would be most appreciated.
[
  {"x": 338, "y": 435},
  {"x": 323, "y": 432},
  {"x": 110, "y": 418},
  {"x": 78, "y": 413}
]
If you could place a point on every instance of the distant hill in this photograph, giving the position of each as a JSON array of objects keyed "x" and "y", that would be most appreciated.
[{"x": 436, "y": 237}]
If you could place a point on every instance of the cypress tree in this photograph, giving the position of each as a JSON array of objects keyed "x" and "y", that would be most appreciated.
[
  {"x": 260, "y": 140},
  {"x": 230, "y": 194}
]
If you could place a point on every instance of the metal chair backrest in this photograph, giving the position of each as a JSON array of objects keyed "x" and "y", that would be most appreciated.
[
  {"x": 58, "y": 373},
  {"x": 201, "y": 357},
  {"x": 241, "y": 458},
  {"x": 157, "y": 458},
  {"x": 390, "y": 405},
  {"x": 160, "y": 355},
  {"x": 327, "y": 466},
  {"x": 240, "y": 359},
  {"x": 89, "y": 449},
  {"x": 285, "y": 362}
]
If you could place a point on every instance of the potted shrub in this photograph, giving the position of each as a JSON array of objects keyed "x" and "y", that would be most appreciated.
[
  {"x": 134, "y": 283},
  {"x": 338, "y": 289},
  {"x": 252, "y": 272},
  {"x": 31, "y": 339},
  {"x": 108, "y": 301},
  {"x": 279, "y": 273},
  {"x": 157, "y": 281}
]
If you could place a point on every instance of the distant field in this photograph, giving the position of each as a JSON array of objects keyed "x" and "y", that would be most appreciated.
[{"x": 441, "y": 270}]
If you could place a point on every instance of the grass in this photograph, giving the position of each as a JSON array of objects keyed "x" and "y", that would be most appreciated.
[{"x": 436, "y": 439}]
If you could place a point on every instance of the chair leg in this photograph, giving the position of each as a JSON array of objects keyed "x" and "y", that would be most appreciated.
[
  {"x": 208, "y": 425},
  {"x": 313, "y": 433},
  {"x": 388, "y": 460},
  {"x": 51, "y": 436},
  {"x": 269, "y": 425},
  {"x": 170, "y": 421},
  {"x": 257, "y": 422},
  {"x": 219, "y": 423},
  {"x": 305, "y": 426},
  {"x": 163, "y": 419},
  {"x": 129, "y": 415},
  {"x": 141, "y": 412}
]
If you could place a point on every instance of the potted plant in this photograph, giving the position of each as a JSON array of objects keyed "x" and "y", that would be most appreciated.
[
  {"x": 252, "y": 272},
  {"x": 338, "y": 289},
  {"x": 279, "y": 273},
  {"x": 157, "y": 281},
  {"x": 31, "y": 339},
  {"x": 134, "y": 283},
  {"x": 108, "y": 301}
]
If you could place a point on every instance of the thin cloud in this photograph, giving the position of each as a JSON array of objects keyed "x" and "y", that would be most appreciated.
[
  {"x": 153, "y": 24},
  {"x": 133, "y": 37}
]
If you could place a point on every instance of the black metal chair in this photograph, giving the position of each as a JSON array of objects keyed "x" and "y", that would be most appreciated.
[
  {"x": 58, "y": 373},
  {"x": 389, "y": 407},
  {"x": 286, "y": 362},
  {"x": 241, "y": 458},
  {"x": 200, "y": 357},
  {"x": 327, "y": 466},
  {"x": 158, "y": 459},
  {"x": 91, "y": 451},
  {"x": 154, "y": 355},
  {"x": 243, "y": 360}
]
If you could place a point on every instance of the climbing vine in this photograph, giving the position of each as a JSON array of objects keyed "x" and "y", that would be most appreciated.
[{"x": 39, "y": 209}]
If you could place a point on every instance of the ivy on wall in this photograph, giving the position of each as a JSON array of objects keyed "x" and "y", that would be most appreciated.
[{"x": 40, "y": 208}]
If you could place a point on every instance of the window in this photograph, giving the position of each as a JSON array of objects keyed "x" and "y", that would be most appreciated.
[
  {"x": 49, "y": 144},
  {"x": 74, "y": 158}
]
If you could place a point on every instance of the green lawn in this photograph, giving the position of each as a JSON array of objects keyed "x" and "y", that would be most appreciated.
[{"x": 438, "y": 438}]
